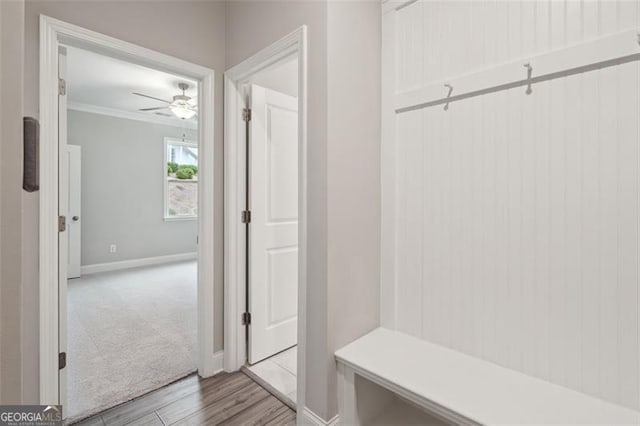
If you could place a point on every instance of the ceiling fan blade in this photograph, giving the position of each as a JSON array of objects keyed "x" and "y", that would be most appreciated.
[
  {"x": 152, "y": 109},
  {"x": 151, "y": 97}
]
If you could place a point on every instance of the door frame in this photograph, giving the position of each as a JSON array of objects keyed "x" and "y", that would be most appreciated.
[
  {"x": 293, "y": 44},
  {"x": 52, "y": 33}
]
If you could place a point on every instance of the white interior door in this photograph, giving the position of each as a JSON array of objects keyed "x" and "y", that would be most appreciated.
[
  {"x": 273, "y": 231},
  {"x": 74, "y": 227},
  {"x": 63, "y": 211}
]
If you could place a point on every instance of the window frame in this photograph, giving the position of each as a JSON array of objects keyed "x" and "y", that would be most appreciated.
[{"x": 182, "y": 142}]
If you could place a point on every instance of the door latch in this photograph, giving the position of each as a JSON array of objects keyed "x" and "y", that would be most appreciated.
[{"x": 62, "y": 223}]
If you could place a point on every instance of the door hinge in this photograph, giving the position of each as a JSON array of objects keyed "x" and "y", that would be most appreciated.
[
  {"x": 62, "y": 360},
  {"x": 62, "y": 87},
  {"x": 62, "y": 223},
  {"x": 246, "y": 114},
  {"x": 246, "y": 318},
  {"x": 246, "y": 216}
]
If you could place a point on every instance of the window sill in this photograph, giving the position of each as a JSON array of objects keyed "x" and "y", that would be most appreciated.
[{"x": 179, "y": 218}]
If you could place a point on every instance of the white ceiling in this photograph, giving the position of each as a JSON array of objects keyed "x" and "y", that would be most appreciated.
[
  {"x": 282, "y": 78},
  {"x": 102, "y": 81}
]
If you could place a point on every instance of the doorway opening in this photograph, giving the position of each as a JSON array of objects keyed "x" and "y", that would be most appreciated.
[
  {"x": 126, "y": 214},
  {"x": 272, "y": 229},
  {"x": 132, "y": 252},
  {"x": 265, "y": 201}
]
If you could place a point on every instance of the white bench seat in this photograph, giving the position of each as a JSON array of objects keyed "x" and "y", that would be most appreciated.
[{"x": 457, "y": 388}]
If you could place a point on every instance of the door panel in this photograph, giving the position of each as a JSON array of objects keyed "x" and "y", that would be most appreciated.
[
  {"x": 282, "y": 126},
  {"x": 74, "y": 227},
  {"x": 282, "y": 285},
  {"x": 273, "y": 233}
]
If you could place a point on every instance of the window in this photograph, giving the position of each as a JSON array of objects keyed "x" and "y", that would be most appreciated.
[{"x": 181, "y": 179}]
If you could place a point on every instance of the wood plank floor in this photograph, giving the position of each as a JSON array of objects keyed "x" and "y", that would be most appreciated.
[{"x": 225, "y": 399}]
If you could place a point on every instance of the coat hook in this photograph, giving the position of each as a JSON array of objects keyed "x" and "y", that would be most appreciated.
[
  {"x": 450, "y": 87},
  {"x": 529, "y": 72}
]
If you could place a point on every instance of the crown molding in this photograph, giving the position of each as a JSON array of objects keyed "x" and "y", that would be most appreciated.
[{"x": 132, "y": 115}]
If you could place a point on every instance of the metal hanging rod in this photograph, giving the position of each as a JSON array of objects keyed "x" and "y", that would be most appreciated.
[{"x": 604, "y": 52}]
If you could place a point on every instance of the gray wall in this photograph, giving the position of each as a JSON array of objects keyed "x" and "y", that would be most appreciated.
[
  {"x": 11, "y": 337},
  {"x": 353, "y": 174},
  {"x": 201, "y": 40},
  {"x": 122, "y": 189},
  {"x": 344, "y": 173}
]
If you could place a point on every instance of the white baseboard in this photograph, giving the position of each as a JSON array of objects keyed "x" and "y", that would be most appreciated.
[
  {"x": 213, "y": 366},
  {"x": 309, "y": 418},
  {"x": 135, "y": 263}
]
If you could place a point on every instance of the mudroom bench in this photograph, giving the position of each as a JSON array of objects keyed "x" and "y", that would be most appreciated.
[{"x": 387, "y": 377}]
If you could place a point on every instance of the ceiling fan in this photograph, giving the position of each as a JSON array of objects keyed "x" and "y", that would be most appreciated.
[{"x": 182, "y": 106}]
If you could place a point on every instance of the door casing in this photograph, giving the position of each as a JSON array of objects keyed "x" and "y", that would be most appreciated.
[
  {"x": 52, "y": 33},
  {"x": 293, "y": 44},
  {"x": 63, "y": 209}
]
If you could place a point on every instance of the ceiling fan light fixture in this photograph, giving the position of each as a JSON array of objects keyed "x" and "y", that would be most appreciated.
[
  {"x": 182, "y": 112},
  {"x": 182, "y": 106}
]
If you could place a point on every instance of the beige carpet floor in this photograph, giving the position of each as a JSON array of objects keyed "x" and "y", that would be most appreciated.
[{"x": 130, "y": 332}]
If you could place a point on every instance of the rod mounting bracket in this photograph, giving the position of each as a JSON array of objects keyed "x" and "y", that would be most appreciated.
[
  {"x": 529, "y": 72},
  {"x": 450, "y": 87}
]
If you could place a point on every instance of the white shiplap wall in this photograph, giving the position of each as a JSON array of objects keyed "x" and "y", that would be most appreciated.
[{"x": 510, "y": 222}]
